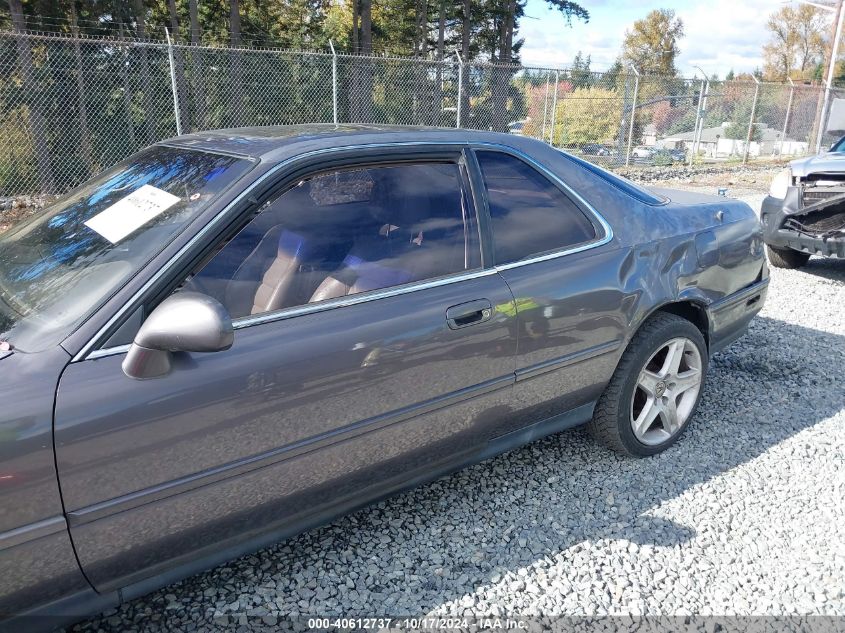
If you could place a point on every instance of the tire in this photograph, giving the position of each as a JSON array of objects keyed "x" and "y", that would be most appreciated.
[
  {"x": 625, "y": 397},
  {"x": 786, "y": 257}
]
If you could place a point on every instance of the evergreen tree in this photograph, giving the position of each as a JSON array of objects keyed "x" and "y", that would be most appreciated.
[{"x": 579, "y": 72}]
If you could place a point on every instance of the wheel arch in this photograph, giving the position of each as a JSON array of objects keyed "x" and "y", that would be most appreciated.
[{"x": 692, "y": 310}]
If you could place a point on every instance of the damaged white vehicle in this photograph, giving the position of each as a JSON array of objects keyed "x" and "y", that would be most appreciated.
[{"x": 804, "y": 213}]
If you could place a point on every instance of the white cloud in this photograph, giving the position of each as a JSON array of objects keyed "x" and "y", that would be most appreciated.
[
  {"x": 719, "y": 34},
  {"x": 724, "y": 34},
  {"x": 549, "y": 42}
]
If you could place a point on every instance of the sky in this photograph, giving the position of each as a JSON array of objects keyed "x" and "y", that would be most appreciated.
[{"x": 718, "y": 34}]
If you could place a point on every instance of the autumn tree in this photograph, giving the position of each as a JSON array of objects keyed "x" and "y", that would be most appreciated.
[
  {"x": 587, "y": 115},
  {"x": 664, "y": 117},
  {"x": 796, "y": 42},
  {"x": 651, "y": 44}
]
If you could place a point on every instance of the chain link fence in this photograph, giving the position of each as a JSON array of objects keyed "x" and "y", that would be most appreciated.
[{"x": 70, "y": 106}]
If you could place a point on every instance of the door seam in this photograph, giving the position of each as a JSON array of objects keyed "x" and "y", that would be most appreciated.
[{"x": 65, "y": 513}]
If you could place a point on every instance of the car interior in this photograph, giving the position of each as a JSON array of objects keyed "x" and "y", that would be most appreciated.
[{"x": 342, "y": 233}]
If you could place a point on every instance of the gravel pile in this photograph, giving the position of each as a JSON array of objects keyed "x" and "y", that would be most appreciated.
[
  {"x": 681, "y": 172},
  {"x": 745, "y": 515},
  {"x": 13, "y": 210}
]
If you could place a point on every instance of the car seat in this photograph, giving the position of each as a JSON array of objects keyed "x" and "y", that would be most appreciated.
[{"x": 267, "y": 278}]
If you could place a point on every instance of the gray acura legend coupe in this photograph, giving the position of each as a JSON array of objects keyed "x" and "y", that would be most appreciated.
[{"x": 234, "y": 336}]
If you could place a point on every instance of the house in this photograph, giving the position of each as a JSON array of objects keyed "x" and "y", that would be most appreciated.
[
  {"x": 649, "y": 135},
  {"x": 714, "y": 144}
]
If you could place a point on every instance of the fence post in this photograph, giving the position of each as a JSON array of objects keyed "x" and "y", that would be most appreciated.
[
  {"x": 545, "y": 106},
  {"x": 173, "y": 86},
  {"x": 633, "y": 114},
  {"x": 751, "y": 120},
  {"x": 554, "y": 109},
  {"x": 786, "y": 118},
  {"x": 460, "y": 89},
  {"x": 127, "y": 93},
  {"x": 695, "y": 128},
  {"x": 334, "y": 80}
]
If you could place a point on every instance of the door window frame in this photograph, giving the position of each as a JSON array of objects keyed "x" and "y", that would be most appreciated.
[
  {"x": 281, "y": 177},
  {"x": 604, "y": 232},
  {"x": 472, "y": 211},
  {"x": 237, "y": 212}
]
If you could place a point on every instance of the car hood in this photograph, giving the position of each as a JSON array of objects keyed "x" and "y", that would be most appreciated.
[{"x": 829, "y": 162}]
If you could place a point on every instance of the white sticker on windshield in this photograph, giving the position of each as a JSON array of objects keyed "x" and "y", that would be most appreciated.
[{"x": 131, "y": 213}]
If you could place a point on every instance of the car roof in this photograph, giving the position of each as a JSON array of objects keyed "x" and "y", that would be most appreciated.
[{"x": 279, "y": 142}]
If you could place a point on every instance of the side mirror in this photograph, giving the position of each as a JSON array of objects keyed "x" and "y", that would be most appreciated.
[{"x": 184, "y": 322}]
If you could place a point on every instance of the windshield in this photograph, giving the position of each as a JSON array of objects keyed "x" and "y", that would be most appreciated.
[
  {"x": 62, "y": 264},
  {"x": 838, "y": 146}
]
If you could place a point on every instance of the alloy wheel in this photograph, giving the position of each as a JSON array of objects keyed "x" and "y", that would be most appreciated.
[{"x": 666, "y": 391}]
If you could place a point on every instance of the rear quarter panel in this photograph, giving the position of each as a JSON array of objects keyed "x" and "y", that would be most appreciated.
[{"x": 694, "y": 247}]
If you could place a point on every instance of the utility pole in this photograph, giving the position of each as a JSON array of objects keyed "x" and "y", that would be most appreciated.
[
  {"x": 697, "y": 119},
  {"x": 702, "y": 112},
  {"x": 751, "y": 121},
  {"x": 633, "y": 114},
  {"x": 831, "y": 62},
  {"x": 788, "y": 111}
]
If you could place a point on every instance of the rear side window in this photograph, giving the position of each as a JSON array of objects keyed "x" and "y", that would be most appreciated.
[{"x": 530, "y": 214}]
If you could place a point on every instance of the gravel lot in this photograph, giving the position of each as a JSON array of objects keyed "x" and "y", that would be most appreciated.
[{"x": 745, "y": 515}]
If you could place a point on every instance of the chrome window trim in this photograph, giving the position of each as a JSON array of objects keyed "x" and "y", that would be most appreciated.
[
  {"x": 554, "y": 254},
  {"x": 363, "y": 297},
  {"x": 108, "y": 351},
  {"x": 330, "y": 304},
  {"x": 87, "y": 351}
]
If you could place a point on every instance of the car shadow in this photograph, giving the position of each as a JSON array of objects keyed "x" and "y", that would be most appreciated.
[
  {"x": 434, "y": 545},
  {"x": 832, "y": 269}
]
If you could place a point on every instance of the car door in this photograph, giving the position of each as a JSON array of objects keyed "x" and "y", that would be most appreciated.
[
  {"x": 557, "y": 256},
  {"x": 372, "y": 349}
]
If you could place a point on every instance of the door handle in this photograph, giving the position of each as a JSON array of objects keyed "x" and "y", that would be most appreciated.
[{"x": 469, "y": 313}]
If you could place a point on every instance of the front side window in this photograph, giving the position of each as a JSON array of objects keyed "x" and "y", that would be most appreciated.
[
  {"x": 345, "y": 232},
  {"x": 59, "y": 266},
  {"x": 530, "y": 215}
]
